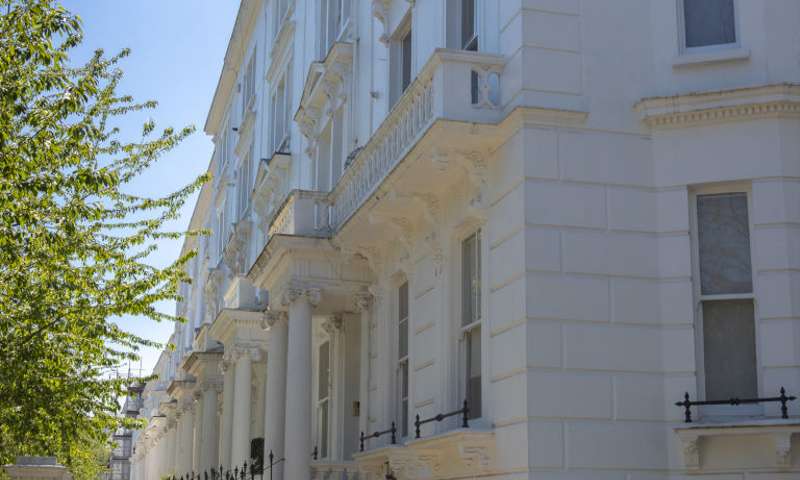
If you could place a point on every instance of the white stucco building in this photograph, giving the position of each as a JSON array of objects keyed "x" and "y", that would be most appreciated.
[{"x": 566, "y": 213}]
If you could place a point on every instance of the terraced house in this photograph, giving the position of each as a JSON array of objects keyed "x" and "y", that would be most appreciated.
[{"x": 494, "y": 239}]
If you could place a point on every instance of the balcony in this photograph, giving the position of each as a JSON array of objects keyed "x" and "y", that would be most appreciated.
[
  {"x": 455, "y": 89},
  {"x": 303, "y": 213}
]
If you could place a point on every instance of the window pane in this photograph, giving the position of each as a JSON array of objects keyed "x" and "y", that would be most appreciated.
[
  {"x": 406, "y": 58},
  {"x": 402, "y": 387},
  {"x": 473, "y": 393},
  {"x": 323, "y": 429},
  {"x": 709, "y": 22},
  {"x": 468, "y": 25},
  {"x": 404, "y": 418},
  {"x": 724, "y": 241},
  {"x": 467, "y": 274},
  {"x": 729, "y": 349},
  {"x": 402, "y": 295},
  {"x": 402, "y": 343},
  {"x": 324, "y": 372}
]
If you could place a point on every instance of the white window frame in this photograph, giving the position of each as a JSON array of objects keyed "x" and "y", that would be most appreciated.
[
  {"x": 244, "y": 180},
  {"x": 249, "y": 85},
  {"x": 699, "y": 298},
  {"x": 281, "y": 15},
  {"x": 280, "y": 112},
  {"x": 397, "y": 60},
  {"x": 684, "y": 50},
  {"x": 454, "y": 20},
  {"x": 318, "y": 402},
  {"x": 331, "y": 32},
  {"x": 465, "y": 330},
  {"x": 403, "y": 428}
]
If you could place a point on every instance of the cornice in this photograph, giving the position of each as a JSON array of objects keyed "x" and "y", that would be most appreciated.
[{"x": 699, "y": 108}]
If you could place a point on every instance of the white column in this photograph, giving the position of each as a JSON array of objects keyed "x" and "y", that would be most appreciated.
[
  {"x": 171, "y": 446},
  {"x": 210, "y": 430},
  {"x": 227, "y": 413},
  {"x": 240, "y": 442},
  {"x": 275, "y": 408},
  {"x": 198, "y": 431},
  {"x": 187, "y": 439},
  {"x": 297, "y": 438},
  {"x": 363, "y": 301},
  {"x": 179, "y": 441}
]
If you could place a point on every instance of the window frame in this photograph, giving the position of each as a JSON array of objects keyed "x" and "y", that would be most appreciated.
[
  {"x": 244, "y": 180},
  {"x": 685, "y": 50},
  {"x": 403, "y": 429},
  {"x": 698, "y": 298},
  {"x": 323, "y": 452},
  {"x": 466, "y": 329},
  {"x": 280, "y": 96},
  {"x": 397, "y": 60}
]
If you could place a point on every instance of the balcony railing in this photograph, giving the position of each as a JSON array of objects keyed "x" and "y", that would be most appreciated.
[
  {"x": 783, "y": 399},
  {"x": 453, "y": 85}
]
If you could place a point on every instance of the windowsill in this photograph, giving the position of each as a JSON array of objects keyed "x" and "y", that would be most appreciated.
[
  {"x": 778, "y": 429},
  {"x": 708, "y": 57}
]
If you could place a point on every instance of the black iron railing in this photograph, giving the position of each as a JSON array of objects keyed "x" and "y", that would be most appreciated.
[
  {"x": 463, "y": 411},
  {"x": 687, "y": 404},
  {"x": 272, "y": 463},
  {"x": 392, "y": 431},
  {"x": 243, "y": 472}
]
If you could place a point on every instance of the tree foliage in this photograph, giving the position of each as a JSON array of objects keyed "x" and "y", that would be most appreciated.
[{"x": 74, "y": 241}]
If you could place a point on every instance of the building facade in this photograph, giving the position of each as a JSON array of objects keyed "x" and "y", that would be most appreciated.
[{"x": 555, "y": 220}]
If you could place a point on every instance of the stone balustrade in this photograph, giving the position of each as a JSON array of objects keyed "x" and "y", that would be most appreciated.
[{"x": 453, "y": 85}]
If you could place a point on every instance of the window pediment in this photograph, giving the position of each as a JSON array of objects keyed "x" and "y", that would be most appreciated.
[{"x": 324, "y": 91}]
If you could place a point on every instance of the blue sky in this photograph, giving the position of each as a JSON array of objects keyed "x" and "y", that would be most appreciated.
[{"x": 177, "y": 52}]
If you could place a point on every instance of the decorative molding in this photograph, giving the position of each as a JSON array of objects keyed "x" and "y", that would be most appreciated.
[
  {"x": 333, "y": 324},
  {"x": 750, "y": 103},
  {"x": 292, "y": 294},
  {"x": 362, "y": 301}
]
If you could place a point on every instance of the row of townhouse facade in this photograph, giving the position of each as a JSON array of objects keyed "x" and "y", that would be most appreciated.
[{"x": 552, "y": 219}]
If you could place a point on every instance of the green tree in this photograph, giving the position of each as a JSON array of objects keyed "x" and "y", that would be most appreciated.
[{"x": 74, "y": 242}]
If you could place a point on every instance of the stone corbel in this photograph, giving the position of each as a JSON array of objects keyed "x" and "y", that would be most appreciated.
[
  {"x": 380, "y": 10},
  {"x": 783, "y": 448},
  {"x": 690, "y": 446}
]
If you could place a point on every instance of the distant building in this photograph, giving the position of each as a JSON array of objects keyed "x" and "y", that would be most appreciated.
[
  {"x": 120, "y": 459},
  {"x": 568, "y": 214}
]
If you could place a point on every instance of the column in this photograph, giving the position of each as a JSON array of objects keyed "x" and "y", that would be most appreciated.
[
  {"x": 297, "y": 438},
  {"x": 363, "y": 301},
  {"x": 179, "y": 441},
  {"x": 187, "y": 438},
  {"x": 171, "y": 440},
  {"x": 198, "y": 431},
  {"x": 275, "y": 408},
  {"x": 227, "y": 413},
  {"x": 240, "y": 442},
  {"x": 210, "y": 440}
]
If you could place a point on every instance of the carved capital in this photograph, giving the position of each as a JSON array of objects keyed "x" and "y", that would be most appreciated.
[
  {"x": 254, "y": 352},
  {"x": 294, "y": 294},
  {"x": 362, "y": 301}
]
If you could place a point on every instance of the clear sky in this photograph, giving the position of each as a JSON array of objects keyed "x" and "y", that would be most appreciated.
[{"x": 177, "y": 52}]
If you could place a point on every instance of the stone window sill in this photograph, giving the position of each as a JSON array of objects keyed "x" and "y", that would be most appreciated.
[
  {"x": 779, "y": 430},
  {"x": 689, "y": 59}
]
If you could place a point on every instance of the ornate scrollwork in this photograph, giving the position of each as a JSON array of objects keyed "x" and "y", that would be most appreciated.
[{"x": 292, "y": 294}]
